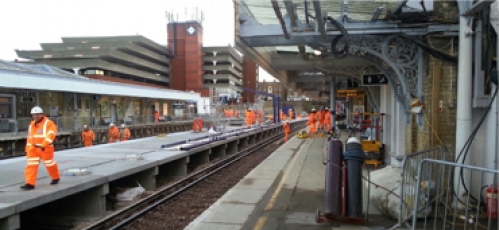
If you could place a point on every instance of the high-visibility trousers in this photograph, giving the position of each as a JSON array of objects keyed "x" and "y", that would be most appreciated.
[
  {"x": 34, "y": 157},
  {"x": 88, "y": 143},
  {"x": 286, "y": 136}
]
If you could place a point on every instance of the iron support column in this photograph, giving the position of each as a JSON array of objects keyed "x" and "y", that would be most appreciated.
[
  {"x": 75, "y": 111},
  {"x": 37, "y": 95},
  {"x": 464, "y": 88},
  {"x": 332, "y": 101}
]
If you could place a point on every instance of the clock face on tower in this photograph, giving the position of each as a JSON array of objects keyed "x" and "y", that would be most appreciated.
[{"x": 191, "y": 30}]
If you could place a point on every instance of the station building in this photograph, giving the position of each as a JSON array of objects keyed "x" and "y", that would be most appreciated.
[{"x": 74, "y": 100}]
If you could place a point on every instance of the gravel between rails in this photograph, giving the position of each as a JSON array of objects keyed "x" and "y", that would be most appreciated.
[{"x": 183, "y": 209}]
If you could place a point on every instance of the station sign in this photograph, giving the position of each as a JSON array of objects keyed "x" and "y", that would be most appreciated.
[{"x": 374, "y": 79}]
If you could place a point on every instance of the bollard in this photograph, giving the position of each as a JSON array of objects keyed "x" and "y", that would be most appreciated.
[
  {"x": 334, "y": 179},
  {"x": 354, "y": 158}
]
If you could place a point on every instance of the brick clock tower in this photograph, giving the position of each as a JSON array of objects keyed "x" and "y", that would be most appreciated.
[{"x": 185, "y": 41}]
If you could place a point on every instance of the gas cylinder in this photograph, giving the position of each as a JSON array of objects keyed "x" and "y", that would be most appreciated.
[{"x": 492, "y": 192}]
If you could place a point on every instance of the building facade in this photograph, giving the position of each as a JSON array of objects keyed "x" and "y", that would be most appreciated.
[
  {"x": 276, "y": 88},
  {"x": 250, "y": 80},
  {"x": 125, "y": 59}
]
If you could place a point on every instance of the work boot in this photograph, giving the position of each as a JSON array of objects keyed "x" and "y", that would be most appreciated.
[
  {"x": 53, "y": 182},
  {"x": 27, "y": 187}
]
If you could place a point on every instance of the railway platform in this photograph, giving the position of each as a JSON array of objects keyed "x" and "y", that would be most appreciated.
[
  {"x": 89, "y": 175},
  {"x": 283, "y": 192}
]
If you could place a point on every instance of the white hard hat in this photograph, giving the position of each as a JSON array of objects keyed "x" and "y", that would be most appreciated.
[
  {"x": 85, "y": 126},
  {"x": 353, "y": 140},
  {"x": 111, "y": 125},
  {"x": 122, "y": 125},
  {"x": 36, "y": 110},
  {"x": 313, "y": 109},
  {"x": 327, "y": 107}
]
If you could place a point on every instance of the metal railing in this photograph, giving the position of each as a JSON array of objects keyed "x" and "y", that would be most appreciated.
[
  {"x": 409, "y": 185},
  {"x": 443, "y": 209},
  {"x": 14, "y": 126}
]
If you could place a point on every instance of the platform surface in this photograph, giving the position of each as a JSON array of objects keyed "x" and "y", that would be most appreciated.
[
  {"x": 107, "y": 162},
  {"x": 285, "y": 192}
]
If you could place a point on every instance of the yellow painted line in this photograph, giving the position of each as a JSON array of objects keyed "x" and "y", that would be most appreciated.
[{"x": 261, "y": 221}]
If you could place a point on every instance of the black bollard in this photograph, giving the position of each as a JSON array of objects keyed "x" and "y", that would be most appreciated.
[
  {"x": 334, "y": 179},
  {"x": 354, "y": 158}
]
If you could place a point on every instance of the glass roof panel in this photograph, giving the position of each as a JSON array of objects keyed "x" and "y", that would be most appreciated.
[{"x": 360, "y": 10}]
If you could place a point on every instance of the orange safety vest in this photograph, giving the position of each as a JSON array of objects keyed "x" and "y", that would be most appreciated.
[
  {"x": 87, "y": 137},
  {"x": 287, "y": 129},
  {"x": 126, "y": 134},
  {"x": 44, "y": 133},
  {"x": 114, "y": 134}
]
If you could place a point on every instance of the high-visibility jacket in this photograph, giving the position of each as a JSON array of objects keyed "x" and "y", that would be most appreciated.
[
  {"x": 126, "y": 134},
  {"x": 327, "y": 117},
  {"x": 87, "y": 137},
  {"x": 44, "y": 133},
  {"x": 114, "y": 134},
  {"x": 287, "y": 129},
  {"x": 41, "y": 133}
]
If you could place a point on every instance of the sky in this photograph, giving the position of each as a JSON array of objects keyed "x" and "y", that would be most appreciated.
[{"x": 26, "y": 24}]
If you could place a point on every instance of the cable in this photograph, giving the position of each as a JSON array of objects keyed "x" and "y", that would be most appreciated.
[
  {"x": 436, "y": 53},
  {"x": 468, "y": 143},
  {"x": 339, "y": 53}
]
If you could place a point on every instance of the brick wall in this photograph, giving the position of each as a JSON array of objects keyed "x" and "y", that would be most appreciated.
[
  {"x": 250, "y": 78},
  {"x": 187, "y": 66}
]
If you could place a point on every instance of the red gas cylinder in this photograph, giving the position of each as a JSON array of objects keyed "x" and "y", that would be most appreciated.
[{"x": 492, "y": 192}]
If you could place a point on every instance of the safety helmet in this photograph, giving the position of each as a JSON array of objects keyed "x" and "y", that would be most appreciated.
[
  {"x": 123, "y": 126},
  {"x": 36, "y": 110},
  {"x": 353, "y": 140},
  {"x": 85, "y": 127},
  {"x": 111, "y": 125},
  {"x": 327, "y": 108},
  {"x": 313, "y": 109}
]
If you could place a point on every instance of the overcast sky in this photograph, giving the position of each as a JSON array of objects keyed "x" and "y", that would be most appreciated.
[{"x": 26, "y": 24}]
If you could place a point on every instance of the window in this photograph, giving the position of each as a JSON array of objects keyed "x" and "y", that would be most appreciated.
[
  {"x": 95, "y": 72},
  {"x": 270, "y": 88}
]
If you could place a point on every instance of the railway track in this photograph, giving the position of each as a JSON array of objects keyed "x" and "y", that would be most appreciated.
[{"x": 133, "y": 213}]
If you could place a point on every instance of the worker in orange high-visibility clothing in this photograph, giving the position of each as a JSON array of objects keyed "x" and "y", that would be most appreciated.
[
  {"x": 327, "y": 119},
  {"x": 287, "y": 130},
  {"x": 156, "y": 116},
  {"x": 260, "y": 116},
  {"x": 291, "y": 114},
  {"x": 253, "y": 117},
  {"x": 125, "y": 133},
  {"x": 312, "y": 119},
  {"x": 247, "y": 116},
  {"x": 114, "y": 133},
  {"x": 87, "y": 136},
  {"x": 40, "y": 146},
  {"x": 320, "y": 118}
]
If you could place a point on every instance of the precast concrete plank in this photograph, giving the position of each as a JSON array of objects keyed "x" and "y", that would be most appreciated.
[
  {"x": 122, "y": 168},
  {"x": 214, "y": 226},
  {"x": 165, "y": 156},
  {"x": 230, "y": 213},
  {"x": 251, "y": 183},
  {"x": 243, "y": 196},
  {"x": 45, "y": 193},
  {"x": 7, "y": 210}
]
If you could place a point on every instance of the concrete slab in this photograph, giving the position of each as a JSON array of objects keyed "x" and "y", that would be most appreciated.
[
  {"x": 250, "y": 183},
  {"x": 215, "y": 226},
  {"x": 108, "y": 163},
  {"x": 230, "y": 214},
  {"x": 7, "y": 210},
  {"x": 241, "y": 196}
]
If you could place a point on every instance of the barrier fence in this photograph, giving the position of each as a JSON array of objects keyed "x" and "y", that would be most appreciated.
[
  {"x": 440, "y": 207},
  {"x": 409, "y": 185}
]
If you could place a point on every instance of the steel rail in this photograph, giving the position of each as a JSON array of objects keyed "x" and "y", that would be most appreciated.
[{"x": 160, "y": 196}]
